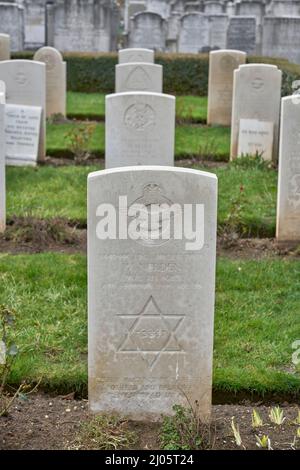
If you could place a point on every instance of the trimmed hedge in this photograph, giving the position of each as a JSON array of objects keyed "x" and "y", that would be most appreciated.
[{"x": 184, "y": 74}]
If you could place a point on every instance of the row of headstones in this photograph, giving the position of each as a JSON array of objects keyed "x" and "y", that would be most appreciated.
[
  {"x": 245, "y": 97},
  {"x": 151, "y": 291},
  {"x": 68, "y": 25},
  {"x": 30, "y": 90},
  {"x": 151, "y": 304},
  {"x": 248, "y": 97},
  {"x": 196, "y": 32}
]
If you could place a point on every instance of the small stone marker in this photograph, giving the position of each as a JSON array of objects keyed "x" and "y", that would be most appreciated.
[
  {"x": 256, "y": 95},
  {"x": 2, "y": 167},
  {"x": 26, "y": 85},
  {"x": 4, "y": 47},
  {"x": 151, "y": 299},
  {"x": 221, "y": 67},
  {"x": 56, "y": 80},
  {"x": 139, "y": 77},
  {"x": 288, "y": 205},
  {"x": 256, "y": 138},
  {"x": 136, "y": 55},
  {"x": 22, "y": 131},
  {"x": 140, "y": 129}
]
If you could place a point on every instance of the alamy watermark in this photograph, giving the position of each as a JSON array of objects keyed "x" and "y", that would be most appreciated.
[{"x": 152, "y": 223}]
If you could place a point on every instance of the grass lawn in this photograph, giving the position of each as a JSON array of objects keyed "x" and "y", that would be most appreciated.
[
  {"x": 48, "y": 192},
  {"x": 92, "y": 106},
  {"x": 257, "y": 320},
  {"x": 208, "y": 142}
]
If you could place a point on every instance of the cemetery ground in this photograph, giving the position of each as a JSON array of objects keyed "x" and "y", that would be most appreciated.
[{"x": 44, "y": 278}]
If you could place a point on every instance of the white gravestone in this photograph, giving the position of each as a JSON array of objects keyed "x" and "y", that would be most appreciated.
[
  {"x": 4, "y": 47},
  {"x": 256, "y": 95},
  {"x": 140, "y": 129},
  {"x": 2, "y": 92},
  {"x": 136, "y": 55},
  {"x": 194, "y": 33},
  {"x": 151, "y": 299},
  {"x": 288, "y": 205},
  {"x": 26, "y": 85},
  {"x": 139, "y": 77},
  {"x": 256, "y": 138},
  {"x": 22, "y": 131},
  {"x": 221, "y": 67},
  {"x": 56, "y": 80},
  {"x": 2, "y": 167}
]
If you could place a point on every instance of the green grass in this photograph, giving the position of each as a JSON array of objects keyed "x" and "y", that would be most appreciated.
[
  {"x": 208, "y": 142},
  {"x": 48, "y": 192},
  {"x": 257, "y": 320},
  {"x": 92, "y": 106}
]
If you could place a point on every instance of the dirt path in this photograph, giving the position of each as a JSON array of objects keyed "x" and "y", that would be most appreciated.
[{"x": 47, "y": 422}]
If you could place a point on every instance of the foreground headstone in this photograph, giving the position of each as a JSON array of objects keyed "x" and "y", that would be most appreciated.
[
  {"x": 139, "y": 77},
  {"x": 256, "y": 138},
  {"x": 136, "y": 55},
  {"x": 140, "y": 129},
  {"x": 22, "y": 132},
  {"x": 26, "y": 85},
  {"x": 56, "y": 80},
  {"x": 288, "y": 205},
  {"x": 151, "y": 298},
  {"x": 256, "y": 95},
  {"x": 221, "y": 67},
  {"x": 2, "y": 168},
  {"x": 4, "y": 47}
]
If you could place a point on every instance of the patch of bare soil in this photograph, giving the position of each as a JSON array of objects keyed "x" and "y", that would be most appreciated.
[
  {"x": 45, "y": 422},
  {"x": 30, "y": 235}
]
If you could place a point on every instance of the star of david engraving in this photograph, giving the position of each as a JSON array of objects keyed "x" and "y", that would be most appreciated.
[{"x": 151, "y": 333}]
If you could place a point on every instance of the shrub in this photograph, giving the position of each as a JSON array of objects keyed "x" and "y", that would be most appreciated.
[{"x": 184, "y": 74}]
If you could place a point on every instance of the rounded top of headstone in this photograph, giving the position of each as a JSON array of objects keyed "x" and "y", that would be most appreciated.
[
  {"x": 140, "y": 14},
  {"x": 228, "y": 51},
  {"x": 48, "y": 55},
  {"x": 197, "y": 14},
  {"x": 4, "y": 36},
  {"x": 149, "y": 169},
  {"x": 140, "y": 94},
  {"x": 257, "y": 66}
]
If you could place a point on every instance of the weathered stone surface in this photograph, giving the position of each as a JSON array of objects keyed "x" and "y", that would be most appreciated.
[
  {"x": 26, "y": 85},
  {"x": 148, "y": 30},
  {"x": 288, "y": 206},
  {"x": 56, "y": 80},
  {"x": 2, "y": 168},
  {"x": 80, "y": 25},
  {"x": 286, "y": 7},
  {"x": 139, "y": 77},
  {"x": 151, "y": 301},
  {"x": 256, "y": 95},
  {"x": 2, "y": 92},
  {"x": 136, "y": 55},
  {"x": 22, "y": 132},
  {"x": 213, "y": 8},
  {"x": 281, "y": 37},
  {"x": 241, "y": 34},
  {"x": 4, "y": 47},
  {"x": 194, "y": 33},
  {"x": 256, "y": 138},
  {"x": 35, "y": 23},
  {"x": 221, "y": 67},
  {"x": 12, "y": 23},
  {"x": 218, "y": 31},
  {"x": 140, "y": 129}
]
